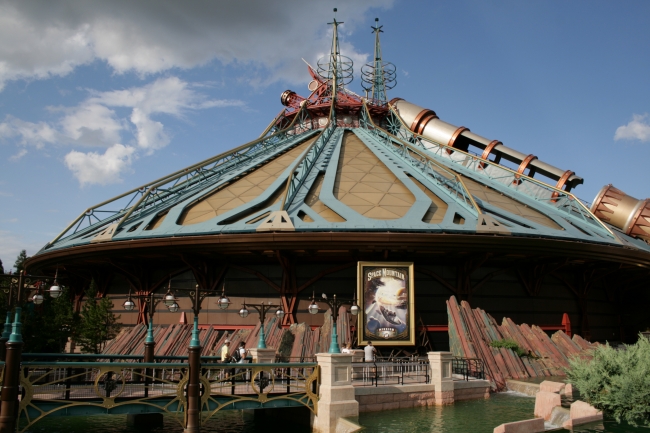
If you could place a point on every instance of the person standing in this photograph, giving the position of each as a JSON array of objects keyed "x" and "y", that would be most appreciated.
[
  {"x": 369, "y": 352},
  {"x": 242, "y": 352},
  {"x": 225, "y": 351}
]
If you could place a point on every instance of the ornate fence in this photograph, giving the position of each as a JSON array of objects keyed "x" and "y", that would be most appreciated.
[{"x": 84, "y": 388}]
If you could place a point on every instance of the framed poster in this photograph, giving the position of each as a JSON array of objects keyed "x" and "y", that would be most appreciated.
[{"x": 385, "y": 292}]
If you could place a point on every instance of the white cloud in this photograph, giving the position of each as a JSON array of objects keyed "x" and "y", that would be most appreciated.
[
  {"x": 95, "y": 168},
  {"x": 28, "y": 133},
  {"x": 150, "y": 133},
  {"x": 45, "y": 38},
  {"x": 94, "y": 123},
  {"x": 171, "y": 96},
  {"x": 20, "y": 154},
  {"x": 91, "y": 124},
  {"x": 637, "y": 129}
]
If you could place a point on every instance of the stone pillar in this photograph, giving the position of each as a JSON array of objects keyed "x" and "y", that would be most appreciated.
[
  {"x": 336, "y": 397},
  {"x": 262, "y": 356},
  {"x": 440, "y": 364}
]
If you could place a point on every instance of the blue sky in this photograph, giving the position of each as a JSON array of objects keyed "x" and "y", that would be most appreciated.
[{"x": 99, "y": 97}]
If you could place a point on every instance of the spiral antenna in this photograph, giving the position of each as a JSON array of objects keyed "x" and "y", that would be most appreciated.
[
  {"x": 335, "y": 68},
  {"x": 378, "y": 76}
]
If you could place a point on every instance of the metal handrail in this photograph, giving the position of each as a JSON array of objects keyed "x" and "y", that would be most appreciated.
[
  {"x": 398, "y": 371},
  {"x": 468, "y": 367}
]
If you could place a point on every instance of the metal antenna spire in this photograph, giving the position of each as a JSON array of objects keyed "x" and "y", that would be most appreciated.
[
  {"x": 378, "y": 76},
  {"x": 335, "y": 68},
  {"x": 378, "y": 88},
  {"x": 335, "y": 57}
]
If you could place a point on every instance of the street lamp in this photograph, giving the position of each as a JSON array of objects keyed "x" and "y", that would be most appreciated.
[
  {"x": 12, "y": 284},
  {"x": 334, "y": 305},
  {"x": 151, "y": 301},
  {"x": 197, "y": 296},
  {"x": 55, "y": 289},
  {"x": 194, "y": 353},
  {"x": 262, "y": 309}
]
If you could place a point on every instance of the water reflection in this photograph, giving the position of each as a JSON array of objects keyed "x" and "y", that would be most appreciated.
[{"x": 477, "y": 416}]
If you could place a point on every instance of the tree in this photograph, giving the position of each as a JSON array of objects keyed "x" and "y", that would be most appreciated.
[
  {"x": 616, "y": 381},
  {"x": 20, "y": 261},
  {"x": 2, "y": 269},
  {"x": 47, "y": 327},
  {"x": 98, "y": 324}
]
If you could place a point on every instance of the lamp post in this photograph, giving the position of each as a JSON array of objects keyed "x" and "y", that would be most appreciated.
[
  {"x": 151, "y": 301},
  {"x": 192, "y": 423},
  {"x": 9, "y": 285},
  {"x": 262, "y": 309},
  {"x": 14, "y": 344},
  {"x": 334, "y": 305}
]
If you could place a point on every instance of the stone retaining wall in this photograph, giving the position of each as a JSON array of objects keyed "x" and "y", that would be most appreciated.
[
  {"x": 375, "y": 399},
  {"x": 471, "y": 390}
]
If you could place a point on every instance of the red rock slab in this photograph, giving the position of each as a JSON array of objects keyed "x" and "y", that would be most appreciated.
[
  {"x": 580, "y": 409},
  {"x": 550, "y": 386},
  {"x": 545, "y": 402}
]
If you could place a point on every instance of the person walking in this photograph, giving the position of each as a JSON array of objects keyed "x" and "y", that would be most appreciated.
[{"x": 369, "y": 352}]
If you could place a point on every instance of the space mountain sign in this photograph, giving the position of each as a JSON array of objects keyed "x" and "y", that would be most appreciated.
[{"x": 385, "y": 292}]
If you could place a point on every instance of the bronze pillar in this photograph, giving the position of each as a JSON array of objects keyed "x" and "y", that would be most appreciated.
[{"x": 193, "y": 418}]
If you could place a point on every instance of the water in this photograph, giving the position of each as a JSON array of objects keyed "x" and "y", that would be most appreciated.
[
  {"x": 229, "y": 421},
  {"x": 476, "y": 416}
]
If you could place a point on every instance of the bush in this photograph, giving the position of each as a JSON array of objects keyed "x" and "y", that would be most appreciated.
[
  {"x": 509, "y": 344},
  {"x": 616, "y": 381}
]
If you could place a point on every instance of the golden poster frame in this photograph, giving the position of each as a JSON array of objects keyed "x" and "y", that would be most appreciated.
[{"x": 385, "y": 321}]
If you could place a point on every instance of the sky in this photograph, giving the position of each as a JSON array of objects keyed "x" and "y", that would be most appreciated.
[{"x": 100, "y": 97}]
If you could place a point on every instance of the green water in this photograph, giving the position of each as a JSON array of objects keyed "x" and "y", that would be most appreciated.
[
  {"x": 477, "y": 416},
  {"x": 474, "y": 416}
]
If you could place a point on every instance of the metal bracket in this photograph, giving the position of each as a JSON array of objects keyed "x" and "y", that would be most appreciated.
[{"x": 277, "y": 221}]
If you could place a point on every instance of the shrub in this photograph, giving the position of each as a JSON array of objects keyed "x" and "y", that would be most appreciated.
[
  {"x": 616, "y": 381},
  {"x": 509, "y": 344}
]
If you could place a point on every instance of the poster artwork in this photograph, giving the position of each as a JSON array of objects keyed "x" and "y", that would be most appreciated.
[{"x": 387, "y": 302}]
